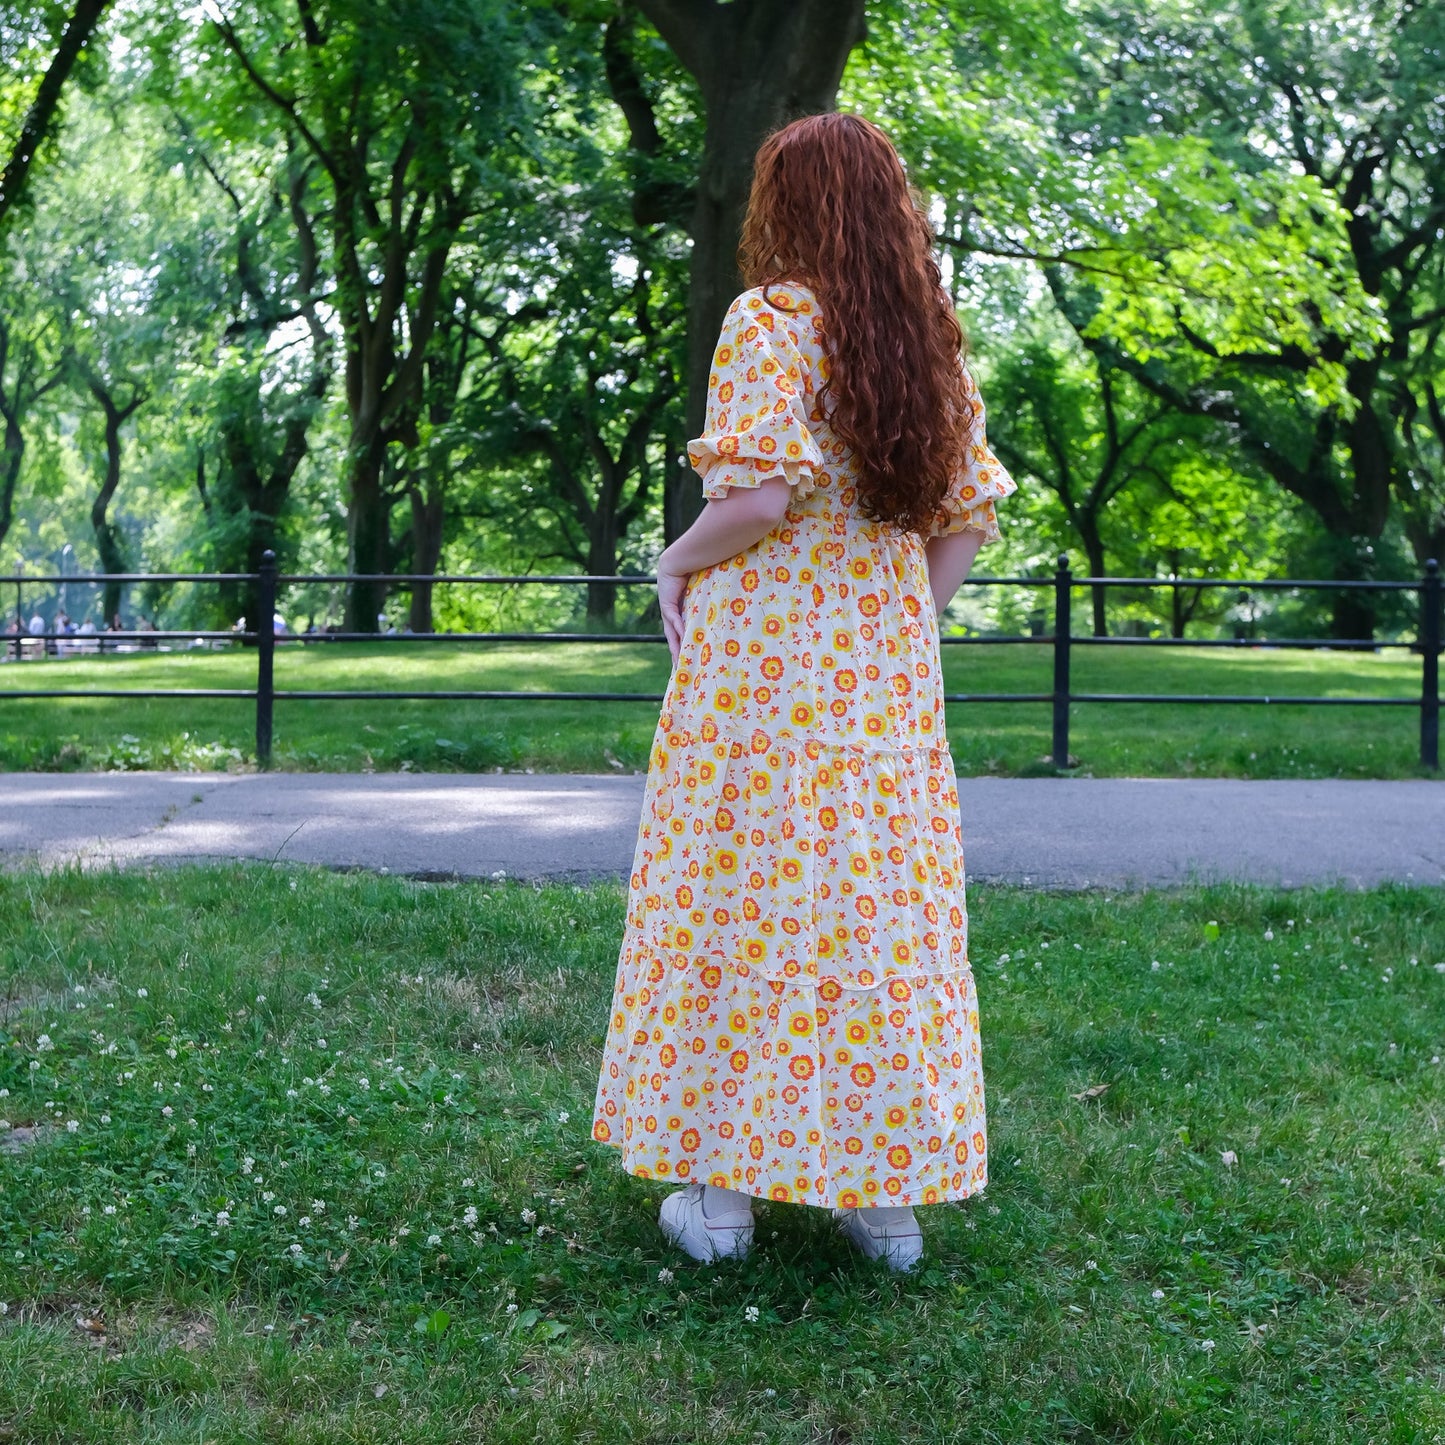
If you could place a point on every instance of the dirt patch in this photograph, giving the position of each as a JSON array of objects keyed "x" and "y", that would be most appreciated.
[{"x": 22, "y": 1136}]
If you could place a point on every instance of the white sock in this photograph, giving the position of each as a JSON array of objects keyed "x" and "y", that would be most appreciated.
[{"x": 717, "y": 1201}]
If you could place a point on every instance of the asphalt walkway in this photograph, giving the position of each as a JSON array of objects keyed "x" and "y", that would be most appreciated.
[{"x": 1043, "y": 832}]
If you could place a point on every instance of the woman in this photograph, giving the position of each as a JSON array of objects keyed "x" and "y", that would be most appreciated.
[{"x": 794, "y": 1016}]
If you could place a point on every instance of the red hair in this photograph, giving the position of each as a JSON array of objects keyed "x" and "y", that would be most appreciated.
[{"x": 831, "y": 207}]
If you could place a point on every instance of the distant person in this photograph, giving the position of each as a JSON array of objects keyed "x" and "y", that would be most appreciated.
[
  {"x": 794, "y": 1015},
  {"x": 12, "y": 630}
]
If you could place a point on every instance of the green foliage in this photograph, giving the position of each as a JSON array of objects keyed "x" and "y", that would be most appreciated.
[{"x": 1188, "y": 1254}]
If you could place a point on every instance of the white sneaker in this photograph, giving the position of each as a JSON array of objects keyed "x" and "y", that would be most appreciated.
[
  {"x": 728, "y": 1236},
  {"x": 899, "y": 1243}
]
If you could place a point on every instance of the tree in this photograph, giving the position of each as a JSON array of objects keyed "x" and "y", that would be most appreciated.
[
  {"x": 1348, "y": 114},
  {"x": 757, "y": 66},
  {"x": 79, "y": 25},
  {"x": 401, "y": 108},
  {"x": 30, "y": 369},
  {"x": 1084, "y": 431}
]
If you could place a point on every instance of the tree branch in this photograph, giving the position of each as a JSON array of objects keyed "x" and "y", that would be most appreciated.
[{"x": 41, "y": 115}]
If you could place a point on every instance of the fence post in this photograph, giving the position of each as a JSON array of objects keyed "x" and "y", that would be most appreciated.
[
  {"x": 1063, "y": 585},
  {"x": 265, "y": 655},
  {"x": 1430, "y": 665}
]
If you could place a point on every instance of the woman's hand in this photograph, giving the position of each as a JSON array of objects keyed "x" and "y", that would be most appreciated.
[
  {"x": 726, "y": 527},
  {"x": 671, "y": 585}
]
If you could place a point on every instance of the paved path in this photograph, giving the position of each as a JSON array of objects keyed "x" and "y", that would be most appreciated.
[{"x": 1046, "y": 832}]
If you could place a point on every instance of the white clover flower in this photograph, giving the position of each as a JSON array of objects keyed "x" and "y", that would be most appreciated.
[
  {"x": 563, "y": 1117},
  {"x": 190, "y": 1151},
  {"x": 750, "y": 1314},
  {"x": 1154, "y": 967},
  {"x": 665, "y": 1276},
  {"x": 72, "y": 1126},
  {"x": 247, "y": 1164},
  {"x": 105, "y": 1118},
  {"x": 469, "y": 1215},
  {"x": 511, "y": 1309},
  {"x": 304, "y": 1222},
  {"x": 1091, "y": 1264},
  {"x": 142, "y": 993},
  {"x": 1158, "y": 1294},
  {"x": 279, "y": 1211},
  {"x": 529, "y": 1216},
  {"x": 363, "y": 1082},
  {"x": 468, "y": 1183},
  {"x": 4, "y": 1308},
  {"x": 295, "y": 1250},
  {"x": 1229, "y": 1158},
  {"x": 433, "y": 1240},
  {"x": 43, "y": 1044},
  {"x": 109, "y": 1209},
  {"x": 260, "y": 998},
  {"x": 292, "y": 1094},
  {"x": 314, "y": 999},
  {"x": 223, "y": 1217},
  {"x": 267, "y": 1195},
  {"x": 167, "y": 1111},
  {"x": 1269, "y": 935},
  {"x": 320, "y": 1043},
  {"x": 34, "y": 1065},
  {"x": 170, "y": 1053},
  {"x": 1206, "y": 1345},
  {"x": 318, "y": 1206}
]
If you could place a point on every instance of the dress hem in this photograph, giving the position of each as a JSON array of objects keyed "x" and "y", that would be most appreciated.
[{"x": 763, "y": 1189}]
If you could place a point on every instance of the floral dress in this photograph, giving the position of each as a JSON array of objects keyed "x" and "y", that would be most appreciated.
[{"x": 794, "y": 1014}]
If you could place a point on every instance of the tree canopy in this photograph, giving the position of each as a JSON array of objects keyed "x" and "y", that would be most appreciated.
[{"x": 394, "y": 290}]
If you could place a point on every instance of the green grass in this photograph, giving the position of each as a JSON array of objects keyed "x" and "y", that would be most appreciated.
[
  {"x": 1073, "y": 1300},
  {"x": 1164, "y": 740}
]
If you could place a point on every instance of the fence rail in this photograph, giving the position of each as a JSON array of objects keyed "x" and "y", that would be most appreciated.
[{"x": 1062, "y": 584}]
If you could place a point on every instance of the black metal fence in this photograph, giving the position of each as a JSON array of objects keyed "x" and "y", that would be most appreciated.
[{"x": 1062, "y": 583}]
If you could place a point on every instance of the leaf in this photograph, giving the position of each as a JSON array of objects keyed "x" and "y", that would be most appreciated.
[
  {"x": 1093, "y": 1091},
  {"x": 434, "y": 1325}
]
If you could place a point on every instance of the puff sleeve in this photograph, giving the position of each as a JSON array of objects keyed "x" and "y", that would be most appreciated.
[
  {"x": 979, "y": 482},
  {"x": 756, "y": 405}
]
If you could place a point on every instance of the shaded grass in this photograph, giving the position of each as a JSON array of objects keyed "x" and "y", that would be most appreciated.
[
  {"x": 1299, "y": 1289},
  {"x": 1155, "y": 740}
]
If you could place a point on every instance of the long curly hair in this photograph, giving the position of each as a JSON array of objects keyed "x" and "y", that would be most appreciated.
[{"x": 831, "y": 207}]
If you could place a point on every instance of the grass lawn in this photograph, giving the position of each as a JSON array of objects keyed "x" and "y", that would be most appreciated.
[
  {"x": 314, "y": 1162},
  {"x": 1164, "y": 740}
]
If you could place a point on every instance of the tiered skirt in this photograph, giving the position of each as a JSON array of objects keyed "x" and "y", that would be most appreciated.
[{"x": 794, "y": 1014}]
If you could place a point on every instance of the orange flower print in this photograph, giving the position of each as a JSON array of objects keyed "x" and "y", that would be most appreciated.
[{"x": 794, "y": 1013}]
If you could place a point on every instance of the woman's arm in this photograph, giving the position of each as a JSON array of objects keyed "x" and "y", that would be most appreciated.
[
  {"x": 724, "y": 528},
  {"x": 949, "y": 561}
]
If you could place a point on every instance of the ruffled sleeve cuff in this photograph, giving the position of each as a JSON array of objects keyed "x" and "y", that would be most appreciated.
[
  {"x": 982, "y": 480},
  {"x": 756, "y": 414},
  {"x": 726, "y": 461},
  {"x": 968, "y": 504}
]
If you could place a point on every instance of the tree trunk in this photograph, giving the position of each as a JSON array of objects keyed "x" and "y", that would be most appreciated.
[
  {"x": 759, "y": 65},
  {"x": 1098, "y": 567},
  {"x": 428, "y": 514},
  {"x": 109, "y": 540},
  {"x": 602, "y": 562},
  {"x": 368, "y": 532},
  {"x": 11, "y": 458}
]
